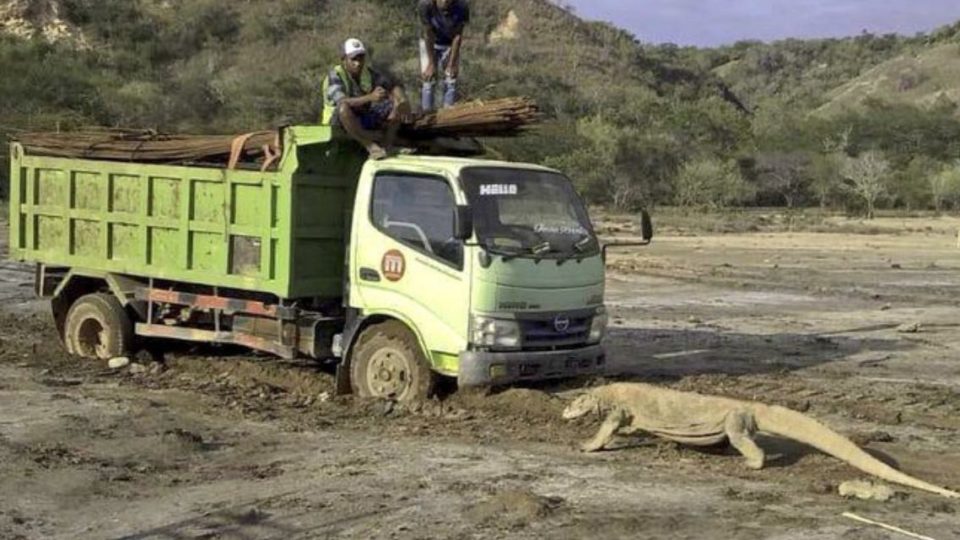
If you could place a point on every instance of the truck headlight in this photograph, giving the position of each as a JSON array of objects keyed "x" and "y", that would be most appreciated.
[
  {"x": 498, "y": 333},
  {"x": 599, "y": 326}
]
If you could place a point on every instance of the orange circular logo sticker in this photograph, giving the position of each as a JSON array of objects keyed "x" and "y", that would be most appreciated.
[{"x": 393, "y": 265}]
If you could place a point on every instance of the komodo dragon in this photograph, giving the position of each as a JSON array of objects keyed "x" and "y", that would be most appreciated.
[{"x": 700, "y": 420}]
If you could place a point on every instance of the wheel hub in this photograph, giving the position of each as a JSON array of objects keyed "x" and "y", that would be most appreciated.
[{"x": 388, "y": 376}]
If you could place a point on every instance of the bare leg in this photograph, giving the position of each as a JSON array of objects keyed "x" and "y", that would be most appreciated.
[
  {"x": 393, "y": 126},
  {"x": 614, "y": 421},
  {"x": 351, "y": 124},
  {"x": 740, "y": 428}
]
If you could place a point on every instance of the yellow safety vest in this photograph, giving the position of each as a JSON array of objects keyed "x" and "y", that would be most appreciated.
[{"x": 366, "y": 86}]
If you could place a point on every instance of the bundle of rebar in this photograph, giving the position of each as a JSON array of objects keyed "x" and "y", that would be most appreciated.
[
  {"x": 498, "y": 118},
  {"x": 148, "y": 146}
]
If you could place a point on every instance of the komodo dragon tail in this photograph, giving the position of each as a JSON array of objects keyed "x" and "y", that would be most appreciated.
[{"x": 801, "y": 428}]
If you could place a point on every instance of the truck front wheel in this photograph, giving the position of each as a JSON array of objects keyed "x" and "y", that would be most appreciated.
[
  {"x": 97, "y": 327},
  {"x": 388, "y": 363}
]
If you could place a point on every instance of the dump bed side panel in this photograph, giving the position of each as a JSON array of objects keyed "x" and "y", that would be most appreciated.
[{"x": 193, "y": 224}]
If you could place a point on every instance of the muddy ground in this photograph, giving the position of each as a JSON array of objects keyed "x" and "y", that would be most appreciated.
[{"x": 858, "y": 330}]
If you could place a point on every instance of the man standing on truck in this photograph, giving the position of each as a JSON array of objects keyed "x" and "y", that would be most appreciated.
[
  {"x": 443, "y": 22},
  {"x": 363, "y": 102}
]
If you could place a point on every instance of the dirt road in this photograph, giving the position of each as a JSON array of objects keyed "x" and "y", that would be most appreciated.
[{"x": 858, "y": 330}]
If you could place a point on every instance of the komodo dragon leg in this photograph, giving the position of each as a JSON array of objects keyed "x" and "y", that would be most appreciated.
[
  {"x": 740, "y": 428},
  {"x": 616, "y": 419}
]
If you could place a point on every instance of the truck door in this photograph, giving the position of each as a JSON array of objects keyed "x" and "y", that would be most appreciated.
[{"x": 408, "y": 263}]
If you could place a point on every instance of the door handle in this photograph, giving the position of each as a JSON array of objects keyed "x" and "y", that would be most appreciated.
[{"x": 369, "y": 274}]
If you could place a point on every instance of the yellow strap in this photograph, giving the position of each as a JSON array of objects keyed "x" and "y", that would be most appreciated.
[
  {"x": 236, "y": 149},
  {"x": 271, "y": 153}
]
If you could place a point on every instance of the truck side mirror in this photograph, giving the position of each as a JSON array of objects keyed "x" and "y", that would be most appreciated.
[
  {"x": 646, "y": 226},
  {"x": 646, "y": 235},
  {"x": 463, "y": 226}
]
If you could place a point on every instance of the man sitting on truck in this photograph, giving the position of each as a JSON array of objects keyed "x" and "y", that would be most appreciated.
[
  {"x": 442, "y": 22},
  {"x": 363, "y": 102}
]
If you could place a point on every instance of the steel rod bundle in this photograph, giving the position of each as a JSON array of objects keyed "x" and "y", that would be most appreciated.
[
  {"x": 145, "y": 145},
  {"x": 501, "y": 117},
  {"x": 497, "y": 118}
]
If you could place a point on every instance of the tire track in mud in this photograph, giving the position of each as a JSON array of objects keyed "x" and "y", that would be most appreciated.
[
  {"x": 298, "y": 397},
  {"x": 303, "y": 392}
]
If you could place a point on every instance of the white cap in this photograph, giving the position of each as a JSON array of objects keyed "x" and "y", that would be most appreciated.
[{"x": 353, "y": 47}]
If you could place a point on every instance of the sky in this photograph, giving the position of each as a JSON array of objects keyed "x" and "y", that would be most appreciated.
[{"x": 717, "y": 22}]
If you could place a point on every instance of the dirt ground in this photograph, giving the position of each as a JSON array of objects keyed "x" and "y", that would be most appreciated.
[{"x": 857, "y": 330}]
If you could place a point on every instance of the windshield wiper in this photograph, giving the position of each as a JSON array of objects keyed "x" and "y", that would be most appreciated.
[
  {"x": 541, "y": 249},
  {"x": 508, "y": 254},
  {"x": 505, "y": 253},
  {"x": 579, "y": 247},
  {"x": 582, "y": 244}
]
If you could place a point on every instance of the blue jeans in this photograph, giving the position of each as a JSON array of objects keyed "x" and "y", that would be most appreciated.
[{"x": 441, "y": 59}]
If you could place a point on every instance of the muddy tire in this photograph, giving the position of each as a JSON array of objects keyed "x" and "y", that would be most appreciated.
[
  {"x": 98, "y": 328},
  {"x": 388, "y": 363}
]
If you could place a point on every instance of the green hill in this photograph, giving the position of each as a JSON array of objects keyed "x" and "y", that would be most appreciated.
[
  {"x": 925, "y": 79},
  {"x": 207, "y": 65},
  {"x": 804, "y": 74},
  {"x": 632, "y": 123}
]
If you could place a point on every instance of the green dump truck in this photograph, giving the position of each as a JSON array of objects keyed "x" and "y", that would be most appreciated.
[{"x": 400, "y": 269}]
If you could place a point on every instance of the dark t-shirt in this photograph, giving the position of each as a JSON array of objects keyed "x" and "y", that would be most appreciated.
[{"x": 446, "y": 25}]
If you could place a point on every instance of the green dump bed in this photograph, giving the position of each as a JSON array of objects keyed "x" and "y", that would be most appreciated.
[{"x": 282, "y": 232}]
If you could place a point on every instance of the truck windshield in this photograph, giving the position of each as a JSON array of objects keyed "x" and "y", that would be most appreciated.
[{"x": 528, "y": 213}]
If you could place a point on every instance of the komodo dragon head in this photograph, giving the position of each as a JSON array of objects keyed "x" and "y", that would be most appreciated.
[{"x": 585, "y": 404}]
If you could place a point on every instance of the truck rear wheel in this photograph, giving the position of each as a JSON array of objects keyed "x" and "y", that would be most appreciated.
[
  {"x": 97, "y": 327},
  {"x": 388, "y": 364}
]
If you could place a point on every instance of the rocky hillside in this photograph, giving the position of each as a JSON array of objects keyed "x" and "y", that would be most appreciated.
[{"x": 29, "y": 19}]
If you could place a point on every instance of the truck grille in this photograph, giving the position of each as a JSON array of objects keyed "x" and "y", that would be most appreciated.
[{"x": 550, "y": 331}]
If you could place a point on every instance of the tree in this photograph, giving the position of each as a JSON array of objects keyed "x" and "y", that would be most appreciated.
[
  {"x": 867, "y": 176},
  {"x": 786, "y": 174},
  {"x": 945, "y": 185},
  {"x": 617, "y": 165},
  {"x": 710, "y": 182},
  {"x": 825, "y": 178},
  {"x": 592, "y": 166},
  {"x": 910, "y": 185}
]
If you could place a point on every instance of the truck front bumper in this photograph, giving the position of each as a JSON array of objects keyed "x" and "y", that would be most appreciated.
[{"x": 492, "y": 368}]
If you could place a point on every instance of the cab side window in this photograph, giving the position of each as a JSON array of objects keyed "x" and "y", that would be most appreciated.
[{"x": 418, "y": 211}]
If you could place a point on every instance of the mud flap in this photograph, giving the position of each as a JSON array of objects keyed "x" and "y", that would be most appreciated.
[{"x": 343, "y": 387}]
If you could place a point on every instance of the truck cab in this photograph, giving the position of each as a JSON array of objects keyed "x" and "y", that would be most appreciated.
[{"x": 493, "y": 268}]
